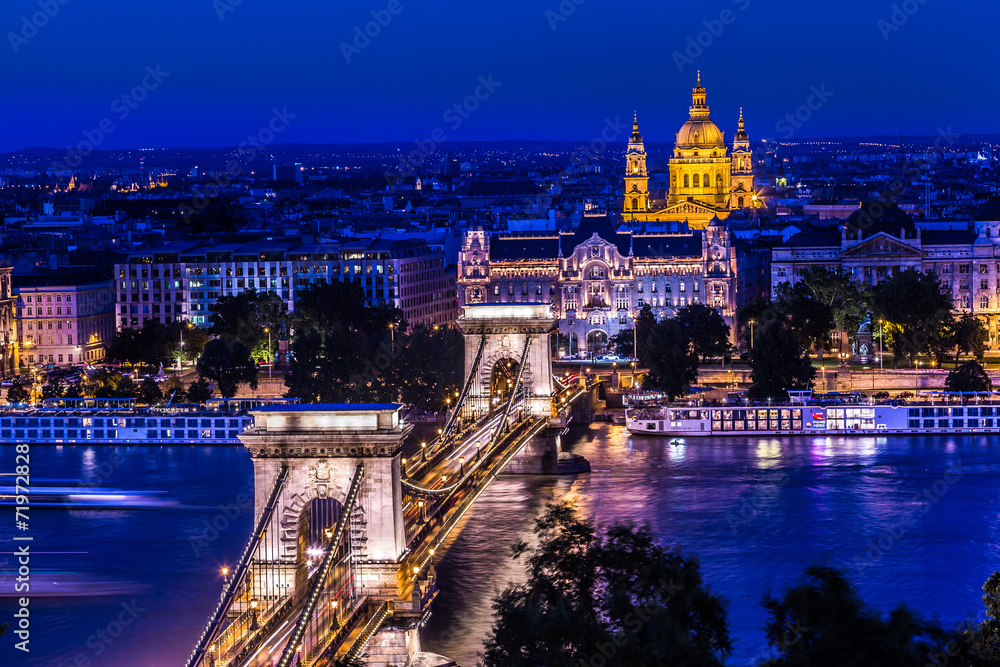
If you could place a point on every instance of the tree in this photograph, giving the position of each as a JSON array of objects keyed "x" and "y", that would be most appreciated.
[
  {"x": 227, "y": 361},
  {"x": 149, "y": 392},
  {"x": 810, "y": 320},
  {"x": 918, "y": 307},
  {"x": 970, "y": 376},
  {"x": 672, "y": 363},
  {"x": 344, "y": 351},
  {"x": 848, "y": 301},
  {"x": 615, "y": 594},
  {"x": 645, "y": 322},
  {"x": 822, "y": 622},
  {"x": 706, "y": 329},
  {"x": 248, "y": 317},
  {"x": 74, "y": 391},
  {"x": 126, "y": 388},
  {"x": 125, "y": 347},
  {"x": 970, "y": 336},
  {"x": 195, "y": 339},
  {"x": 987, "y": 635},
  {"x": 778, "y": 363},
  {"x": 199, "y": 391},
  {"x": 18, "y": 394},
  {"x": 53, "y": 389}
]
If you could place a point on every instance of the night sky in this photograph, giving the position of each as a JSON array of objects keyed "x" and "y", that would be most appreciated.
[{"x": 562, "y": 68}]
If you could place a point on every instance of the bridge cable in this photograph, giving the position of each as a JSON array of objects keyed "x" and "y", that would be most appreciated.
[
  {"x": 465, "y": 391},
  {"x": 514, "y": 393},
  {"x": 316, "y": 588},
  {"x": 229, "y": 592}
]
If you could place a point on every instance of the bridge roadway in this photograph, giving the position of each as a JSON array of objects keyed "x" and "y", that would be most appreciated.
[{"x": 438, "y": 491}]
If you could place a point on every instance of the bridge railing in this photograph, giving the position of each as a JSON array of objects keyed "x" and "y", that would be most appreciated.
[
  {"x": 316, "y": 621},
  {"x": 236, "y": 614}
]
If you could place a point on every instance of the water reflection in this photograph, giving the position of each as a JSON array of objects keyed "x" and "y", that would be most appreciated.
[{"x": 756, "y": 512}]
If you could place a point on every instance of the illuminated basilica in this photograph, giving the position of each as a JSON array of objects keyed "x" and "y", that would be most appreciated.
[{"x": 706, "y": 180}]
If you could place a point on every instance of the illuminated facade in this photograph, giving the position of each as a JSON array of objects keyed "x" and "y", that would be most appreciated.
[
  {"x": 706, "y": 181},
  {"x": 598, "y": 278},
  {"x": 879, "y": 241},
  {"x": 9, "y": 358},
  {"x": 64, "y": 318}
]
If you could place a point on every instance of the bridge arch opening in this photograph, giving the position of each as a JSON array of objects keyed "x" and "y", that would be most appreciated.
[{"x": 502, "y": 380}]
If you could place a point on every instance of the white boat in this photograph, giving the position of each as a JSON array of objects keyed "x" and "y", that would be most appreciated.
[{"x": 813, "y": 419}]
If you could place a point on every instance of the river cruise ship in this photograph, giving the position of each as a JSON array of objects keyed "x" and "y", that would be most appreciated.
[
  {"x": 936, "y": 413},
  {"x": 120, "y": 421}
]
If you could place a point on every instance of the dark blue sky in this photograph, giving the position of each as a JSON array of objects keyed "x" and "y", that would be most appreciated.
[{"x": 939, "y": 69}]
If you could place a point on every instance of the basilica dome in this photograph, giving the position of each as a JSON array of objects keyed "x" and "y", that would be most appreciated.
[{"x": 700, "y": 133}]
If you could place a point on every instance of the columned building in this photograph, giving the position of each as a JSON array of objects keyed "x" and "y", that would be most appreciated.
[
  {"x": 597, "y": 278},
  {"x": 706, "y": 182},
  {"x": 9, "y": 353},
  {"x": 879, "y": 240}
]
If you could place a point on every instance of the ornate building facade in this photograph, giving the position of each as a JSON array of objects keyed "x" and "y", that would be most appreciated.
[
  {"x": 597, "y": 278},
  {"x": 706, "y": 181},
  {"x": 878, "y": 241}
]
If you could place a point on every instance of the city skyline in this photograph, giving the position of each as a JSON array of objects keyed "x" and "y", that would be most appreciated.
[{"x": 530, "y": 75}]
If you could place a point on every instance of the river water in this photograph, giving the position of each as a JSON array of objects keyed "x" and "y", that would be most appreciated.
[{"x": 913, "y": 520}]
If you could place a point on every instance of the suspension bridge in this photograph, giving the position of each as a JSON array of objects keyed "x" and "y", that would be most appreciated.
[{"x": 340, "y": 561}]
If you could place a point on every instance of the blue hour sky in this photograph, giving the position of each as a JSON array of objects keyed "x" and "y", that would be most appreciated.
[{"x": 559, "y": 69}]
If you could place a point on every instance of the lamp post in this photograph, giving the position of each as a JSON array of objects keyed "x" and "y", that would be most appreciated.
[
  {"x": 180, "y": 353},
  {"x": 270, "y": 360},
  {"x": 916, "y": 381},
  {"x": 881, "y": 333},
  {"x": 752, "y": 322},
  {"x": 392, "y": 333}
]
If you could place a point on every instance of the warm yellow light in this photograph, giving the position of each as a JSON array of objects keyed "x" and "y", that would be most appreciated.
[{"x": 225, "y": 571}]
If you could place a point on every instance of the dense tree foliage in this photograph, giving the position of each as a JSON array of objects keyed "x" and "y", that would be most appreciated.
[
  {"x": 916, "y": 306},
  {"x": 987, "y": 637},
  {"x": 149, "y": 392},
  {"x": 343, "y": 351},
  {"x": 227, "y": 361},
  {"x": 156, "y": 344},
  {"x": 612, "y": 597},
  {"x": 248, "y": 317},
  {"x": 848, "y": 301},
  {"x": 625, "y": 341},
  {"x": 822, "y": 622},
  {"x": 18, "y": 394},
  {"x": 199, "y": 391},
  {"x": 672, "y": 362},
  {"x": 708, "y": 332},
  {"x": 778, "y": 362},
  {"x": 970, "y": 376}
]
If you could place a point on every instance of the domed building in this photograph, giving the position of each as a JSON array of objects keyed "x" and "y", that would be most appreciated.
[{"x": 706, "y": 181}]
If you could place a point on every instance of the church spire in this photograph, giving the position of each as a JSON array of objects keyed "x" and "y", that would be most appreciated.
[
  {"x": 698, "y": 107},
  {"x": 636, "y": 137}
]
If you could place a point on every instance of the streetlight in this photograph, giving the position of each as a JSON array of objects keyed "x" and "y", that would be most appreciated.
[
  {"x": 184, "y": 325},
  {"x": 392, "y": 333},
  {"x": 270, "y": 360},
  {"x": 752, "y": 322},
  {"x": 461, "y": 466}
]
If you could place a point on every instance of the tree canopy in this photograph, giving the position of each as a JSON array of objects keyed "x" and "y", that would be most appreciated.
[
  {"x": 672, "y": 362},
  {"x": 778, "y": 362},
  {"x": 707, "y": 330},
  {"x": 822, "y": 622},
  {"x": 614, "y": 595},
  {"x": 344, "y": 351},
  {"x": 227, "y": 361},
  {"x": 970, "y": 376},
  {"x": 917, "y": 307},
  {"x": 248, "y": 317},
  {"x": 18, "y": 394}
]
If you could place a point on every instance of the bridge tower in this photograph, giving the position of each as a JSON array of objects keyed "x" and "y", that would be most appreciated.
[
  {"x": 497, "y": 333},
  {"x": 321, "y": 445}
]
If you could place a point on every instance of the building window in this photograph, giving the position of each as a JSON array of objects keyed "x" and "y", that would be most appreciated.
[{"x": 984, "y": 302}]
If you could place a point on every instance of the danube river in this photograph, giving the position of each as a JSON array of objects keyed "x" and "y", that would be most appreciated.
[{"x": 912, "y": 520}]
